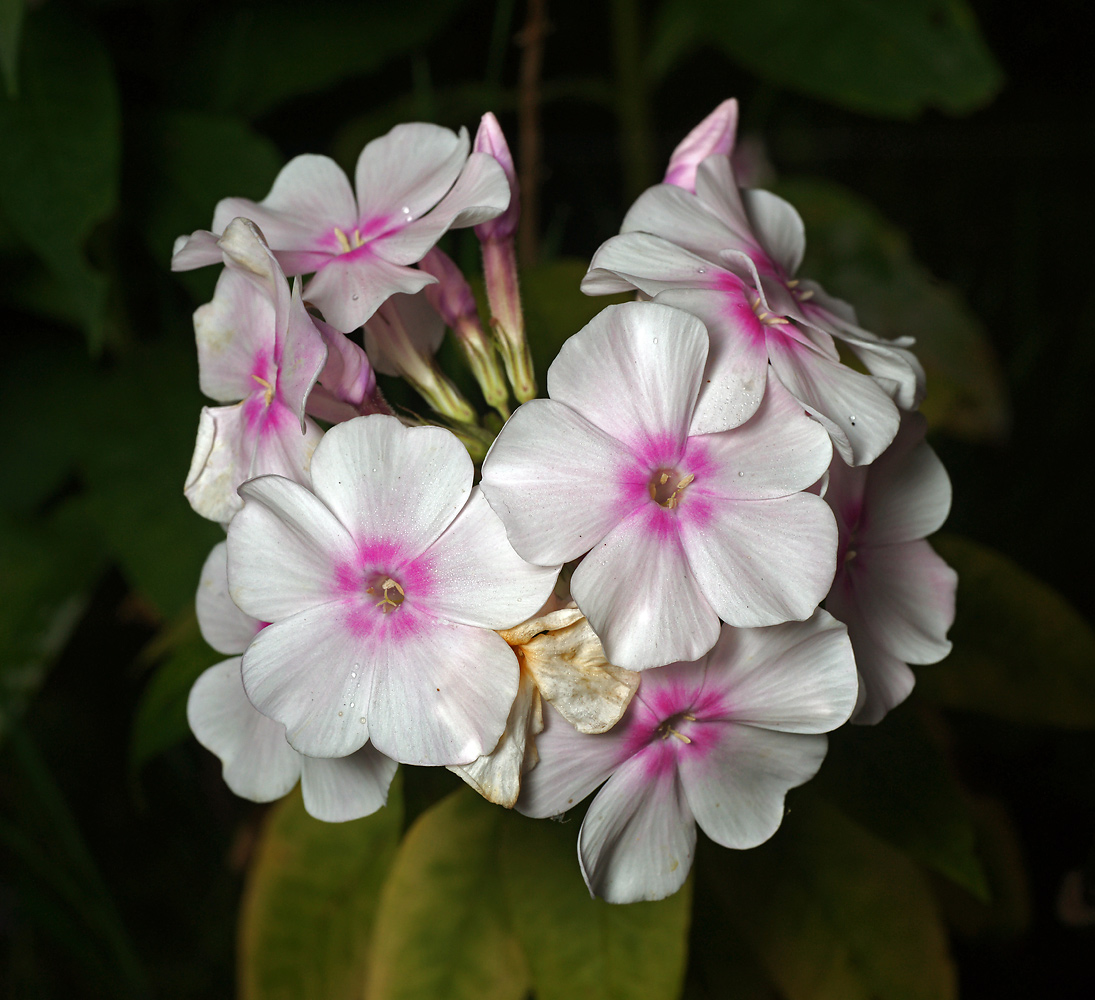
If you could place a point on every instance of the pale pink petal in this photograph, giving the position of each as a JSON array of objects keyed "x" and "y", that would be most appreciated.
[
  {"x": 352, "y": 286},
  {"x": 347, "y": 385},
  {"x": 859, "y": 416},
  {"x": 283, "y": 548},
  {"x": 405, "y": 173},
  {"x": 337, "y": 789},
  {"x": 421, "y": 326},
  {"x": 884, "y": 681},
  {"x": 641, "y": 597},
  {"x": 227, "y": 629},
  {"x": 904, "y": 596},
  {"x": 648, "y": 263},
  {"x": 383, "y": 480},
  {"x": 675, "y": 215},
  {"x": 634, "y": 372},
  {"x": 638, "y": 837},
  {"x": 480, "y": 193},
  {"x": 717, "y": 192},
  {"x": 779, "y": 450},
  {"x": 714, "y": 136},
  {"x": 491, "y": 140},
  {"x": 313, "y": 673},
  {"x": 310, "y": 197},
  {"x": 546, "y": 456},
  {"x": 477, "y": 577},
  {"x": 571, "y": 765},
  {"x": 196, "y": 250},
  {"x": 798, "y": 677},
  {"x": 442, "y": 693},
  {"x": 257, "y": 762},
  {"x": 235, "y": 334},
  {"x": 778, "y": 226},
  {"x": 897, "y": 369},
  {"x": 736, "y": 789},
  {"x": 759, "y": 562},
  {"x": 301, "y": 355}
]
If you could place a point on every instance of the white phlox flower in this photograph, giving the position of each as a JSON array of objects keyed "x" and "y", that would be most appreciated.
[
  {"x": 384, "y": 585},
  {"x": 681, "y": 528},
  {"x": 257, "y": 762},
  {"x": 891, "y": 589},
  {"x": 717, "y": 742}
]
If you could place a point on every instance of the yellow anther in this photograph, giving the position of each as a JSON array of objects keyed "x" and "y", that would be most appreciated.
[
  {"x": 269, "y": 394},
  {"x": 665, "y": 478},
  {"x": 343, "y": 243},
  {"x": 793, "y": 283},
  {"x": 668, "y": 730},
  {"x": 808, "y": 294},
  {"x": 387, "y": 602},
  {"x": 685, "y": 481}
]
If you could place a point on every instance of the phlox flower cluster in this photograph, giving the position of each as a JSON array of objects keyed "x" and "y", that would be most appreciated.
[{"x": 668, "y": 579}]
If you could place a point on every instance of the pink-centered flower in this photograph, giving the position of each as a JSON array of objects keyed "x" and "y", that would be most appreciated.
[
  {"x": 413, "y": 185},
  {"x": 717, "y": 742},
  {"x": 681, "y": 528},
  {"x": 891, "y": 589},
  {"x": 257, "y": 762},
  {"x": 384, "y": 585},
  {"x": 256, "y": 345}
]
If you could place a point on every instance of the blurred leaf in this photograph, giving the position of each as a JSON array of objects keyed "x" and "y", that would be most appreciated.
[
  {"x": 142, "y": 425},
  {"x": 47, "y": 571},
  {"x": 859, "y": 256},
  {"x": 892, "y": 58},
  {"x": 254, "y": 58},
  {"x": 200, "y": 159},
  {"x": 59, "y": 156},
  {"x": 11, "y": 25},
  {"x": 310, "y": 902},
  {"x": 441, "y": 930},
  {"x": 160, "y": 720},
  {"x": 893, "y": 779},
  {"x": 578, "y": 946},
  {"x": 1021, "y": 652},
  {"x": 833, "y": 913}
]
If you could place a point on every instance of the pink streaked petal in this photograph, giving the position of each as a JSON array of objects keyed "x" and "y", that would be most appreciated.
[
  {"x": 337, "y": 789},
  {"x": 310, "y": 197},
  {"x": 347, "y": 375},
  {"x": 479, "y": 579},
  {"x": 199, "y": 249},
  {"x": 480, "y": 193},
  {"x": 638, "y": 837},
  {"x": 442, "y": 693},
  {"x": 353, "y": 285},
  {"x": 546, "y": 456},
  {"x": 640, "y": 596},
  {"x": 634, "y": 372},
  {"x": 283, "y": 548},
  {"x": 858, "y": 414},
  {"x": 257, "y": 762},
  {"x": 908, "y": 492},
  {"x": 778, "y": 451},
  {"x": 314, "y": 673},
  {"x": 301, "y": 355},
  {"x": 904, "y": 596},
  {"x": 675, "y": 215},
  {"x": 404, "y": 173},
  {"x": 737, "y": 362},
  {"x": 384, "y": 480},
  {"x": 798, "y": 677},
  {"x": 649, "y": 264},
  {"x": 714, "y": 136},
  {"x": 227, "y": 629},
  {"x": 736, "y": 790},
  {"x": 235, "y": 334},
  {"x": 778, "y": 226},
  {"x": 282, "y": 448},
  {"x": 760, "y": 562}
]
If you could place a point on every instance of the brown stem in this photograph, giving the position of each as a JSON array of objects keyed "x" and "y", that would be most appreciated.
[{"x": 531, "y": 40}]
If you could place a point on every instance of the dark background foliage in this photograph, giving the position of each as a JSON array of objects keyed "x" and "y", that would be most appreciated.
[{"x": 961, "y": 213}]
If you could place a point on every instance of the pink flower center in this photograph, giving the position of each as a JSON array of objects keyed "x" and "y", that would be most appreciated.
[
  {"x": 389, "y": 591},
  {"x": 666, "y": 486}
]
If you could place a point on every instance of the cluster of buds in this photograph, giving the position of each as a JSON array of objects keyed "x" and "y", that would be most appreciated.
[{"x": 742, "y": 515}]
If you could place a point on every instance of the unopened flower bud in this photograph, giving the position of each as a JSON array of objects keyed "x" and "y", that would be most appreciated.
[
  {"x": 490, "y": 140},
  {"x": 713, "y": 136}
]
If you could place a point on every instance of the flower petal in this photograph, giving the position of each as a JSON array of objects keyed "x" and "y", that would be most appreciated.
[
  {"x": 227, "y": 629},
  {"x": 385, "y": 481},
  {"x": 257, "y": 762},
  {"x": 714, "y": 136},
  {"x": 641, "y": 597},
  {"x": 199, "y": 249},
  {"x": 648, "y": 263},
  {"x": 778, "y": 226},
  {"x": 301, "y": 355},
  {"x": 680, "y": 217},
  {"x": 638, "y": 837},
  {"x": 736, "y": 790},
  {"x": 412, "y": 321},
  {"x": 352, "y": 286},
  {"x": 884, "y": 681},
  {"x": 337, "y": 789}
]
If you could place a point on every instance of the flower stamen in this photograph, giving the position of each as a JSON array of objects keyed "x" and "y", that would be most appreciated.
[{"x": 269, "y": 394}]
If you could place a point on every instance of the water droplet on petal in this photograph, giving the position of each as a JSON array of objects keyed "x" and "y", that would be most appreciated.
[
  {"x": 340, "y": 715},
  {"x": 702, "y": 270},
  {"x": 353, "y": 673},
  {"x": 406, "y": 209},
  {"x": 655, "y": 340},
  {"x": 354, "y": 296},
  {"x": 741, "y": 474},
  {"x": 363, "y": 720},
  {"x": 351, "y": 706}
]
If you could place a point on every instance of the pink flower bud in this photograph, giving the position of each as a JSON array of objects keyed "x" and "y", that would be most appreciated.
[
  {"x": 452, "y": 295},
  {"x": 713, "y": 136},
  {"x": 490, "y": 140}
]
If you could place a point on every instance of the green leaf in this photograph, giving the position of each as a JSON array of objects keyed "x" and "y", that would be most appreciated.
[
  {"x": 857, "y": 255},
  {"x": 59, "y": 156},
  {"x": 578, "y": 946},
  {"x": 832, "y": 912},
  {"x": 11, "y": 25},
  {"x": 255, "y": 58},
  {"x": 1021, "y": 651},
  {"x": 310, "y": 903},
  {"x": 893, "y": 779},
  {"x": 892, "y": 58},
  {"x": 441, "y": 929}
]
